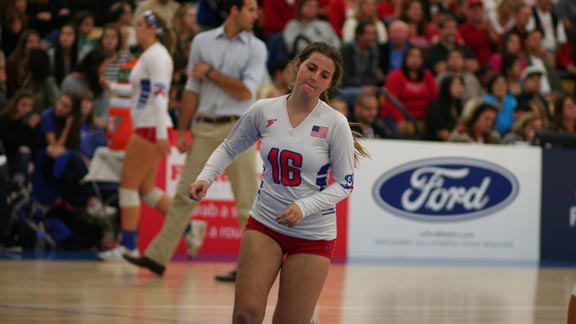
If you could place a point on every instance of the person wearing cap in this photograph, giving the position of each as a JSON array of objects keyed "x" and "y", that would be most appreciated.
[
  {"x": 531, "y": 86},
  {"x": 476, "y": 32},
  {"x": 476, "y": 124},
  {"x": 535, "y": 54}
]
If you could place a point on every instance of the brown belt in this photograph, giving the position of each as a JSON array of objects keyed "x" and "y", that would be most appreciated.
[{"x": 219, "y": 119}]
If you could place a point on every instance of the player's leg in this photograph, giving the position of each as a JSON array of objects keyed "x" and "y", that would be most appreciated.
[
  {"x": 137, "y": 164},
  {"x": 258, "y": 265},
  {"x": 301, "y": 281}
]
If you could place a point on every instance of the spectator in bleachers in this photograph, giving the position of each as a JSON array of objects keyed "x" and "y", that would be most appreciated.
[
  {"x": 84, "y": 21},
  {"x": 40, "y": 81},
  {"x": 121, "y": 16},
  {"x": 511, "y": 45},
  {"x": 59, "y": 167},
  {"x": 166, "y": 9},
  {"x": 437, "y": 54},
  {"x": 365, "y": 117},
  {"x": 419, "y": 34},
  {"x": 522, "y": 14},
  {"x": 64, "y": 54},
  {"x": 306, "y": 28},
  {"x": 455, "y": 66},
  {"x": 13, "y": 23},
  {"x": 16, "y": 62},
  {"x": 437, "y": 12},
  {"x": 389, "y": 10},
  {"x": 477, "y": 34},
  {"x": 546, "y": 20},
  {"x": 512, "y": 71},
  {"x": 524, "y": 129},
  {"x": 566, "y": 10},
  {"x": 89, "y": 75},
  {"x": 338, "y": 11},
  {"x": 92, "y": 134},
  {"x": 506, "y": 103},
  {"x": 283, "y": 75},
  {"x": 47, "y": 15},
  {"x": 502, "y": 19},
  {"x": 365, "y": 11},
  {"x": 3, "y": 95},
  {"x": 18, "y": 133},
  {"x": 531, "y": 90},
  {"x": 414, "y": 86},
  {"x": 277, "y": 13},
  {"x": 536, "y": 55},
  {"x": 110, "y": 43},
  {"x": 392, "y": 53},
  {"x": 361, "y": 71},
  {"x": 339, "y": 104},
  {"x": 185, "y": 28},
  {"x": 476, "y": 124},
  {"x": 443, "y": 113},
  {"x": 565, "y": 114}
]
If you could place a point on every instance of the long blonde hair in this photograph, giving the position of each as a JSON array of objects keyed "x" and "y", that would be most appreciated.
[{"x": 334, "y": 54}]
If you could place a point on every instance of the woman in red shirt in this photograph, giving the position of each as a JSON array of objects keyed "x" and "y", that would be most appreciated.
[{"x": 415, "y": 88}]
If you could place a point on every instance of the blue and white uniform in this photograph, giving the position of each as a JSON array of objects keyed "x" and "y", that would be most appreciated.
[
  {"x": 296, "y": 165},
  {"x": 150, "y": 79}
]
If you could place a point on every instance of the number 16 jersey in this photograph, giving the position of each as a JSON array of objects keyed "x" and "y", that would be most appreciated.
[{"x": 297, "y": 161}]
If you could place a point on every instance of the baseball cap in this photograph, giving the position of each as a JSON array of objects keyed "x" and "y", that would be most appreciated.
[{"x": 531, "y": 70}]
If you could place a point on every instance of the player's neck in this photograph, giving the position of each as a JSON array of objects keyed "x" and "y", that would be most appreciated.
[{"x": 301, "y": 104}]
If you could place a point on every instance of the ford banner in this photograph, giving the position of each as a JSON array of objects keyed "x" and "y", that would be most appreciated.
[{"x": 444, "y": 200}]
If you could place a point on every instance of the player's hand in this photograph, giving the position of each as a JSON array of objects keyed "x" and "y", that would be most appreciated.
[
  {"x": 291, "y": 216},
  {"x": 182, "y": 142},
  {"x": 162, "y": 147},
  {"x": 198, "y": 190}
]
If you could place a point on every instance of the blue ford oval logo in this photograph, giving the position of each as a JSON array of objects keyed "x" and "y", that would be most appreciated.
[{"x": 447, "y": 189}]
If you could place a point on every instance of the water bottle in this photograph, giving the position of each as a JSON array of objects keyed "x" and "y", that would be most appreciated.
[{"x": 40, "y": 238}]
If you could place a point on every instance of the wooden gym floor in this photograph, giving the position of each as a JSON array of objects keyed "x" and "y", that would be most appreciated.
[{"x": 73, "y": 291}]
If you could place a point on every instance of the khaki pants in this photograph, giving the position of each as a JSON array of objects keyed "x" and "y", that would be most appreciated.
[{"x": 241, "y": 173}]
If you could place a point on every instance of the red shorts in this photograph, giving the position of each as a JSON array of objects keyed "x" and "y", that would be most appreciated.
[
  {"x": 294, "y": 245},
  {"x": 148, "y": 133}
]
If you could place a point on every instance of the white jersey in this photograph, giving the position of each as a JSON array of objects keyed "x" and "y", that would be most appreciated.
[
  {"x": 150, "y": 79},
  {"x": 296, "y": 165}
]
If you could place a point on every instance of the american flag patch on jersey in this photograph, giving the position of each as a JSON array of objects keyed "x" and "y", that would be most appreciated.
[{"x": 319, "y": 131}]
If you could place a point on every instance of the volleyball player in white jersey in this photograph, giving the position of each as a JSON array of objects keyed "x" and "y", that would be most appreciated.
[
  {"x": 150, "y": 80},
  {"x": 292, "y": 224}
]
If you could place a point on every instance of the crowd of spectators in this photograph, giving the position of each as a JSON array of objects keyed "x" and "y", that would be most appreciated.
[{"x": 487, "y": 71}]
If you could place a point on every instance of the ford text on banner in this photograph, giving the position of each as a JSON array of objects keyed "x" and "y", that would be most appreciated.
[{"x": 451, "y": 201}]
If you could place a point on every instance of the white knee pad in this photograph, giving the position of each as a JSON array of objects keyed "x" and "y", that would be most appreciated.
[
  {"x": 153, "y": 197},
  {"x": 574, "y": 291},
  {"x": 128, "y": 198}
]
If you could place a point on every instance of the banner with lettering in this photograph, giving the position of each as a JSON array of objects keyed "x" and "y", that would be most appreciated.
[{"x": 445, "y": 200}]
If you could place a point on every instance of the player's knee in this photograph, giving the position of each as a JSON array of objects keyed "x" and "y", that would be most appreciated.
[
  {"x": 247, "y": 314},
  {"x": 128, "y": 198},
  {"x": 153, "y": 197}
]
